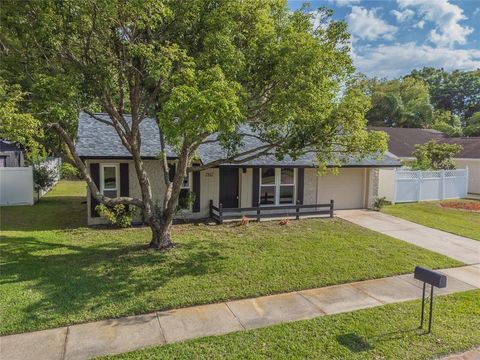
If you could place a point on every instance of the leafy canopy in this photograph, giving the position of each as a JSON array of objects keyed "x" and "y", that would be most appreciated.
[
  {"x": 435, "y": 156},
  {"x": 199, "y": 67}
]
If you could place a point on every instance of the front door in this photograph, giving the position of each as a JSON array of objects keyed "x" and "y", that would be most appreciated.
[{"x": 229, "y": 187}]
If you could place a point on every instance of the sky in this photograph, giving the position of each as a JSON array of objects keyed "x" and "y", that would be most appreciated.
[{"x": 392, "y": 37}]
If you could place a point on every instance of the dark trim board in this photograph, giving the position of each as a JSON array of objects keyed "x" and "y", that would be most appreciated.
[{"x": 122, "y": 158}]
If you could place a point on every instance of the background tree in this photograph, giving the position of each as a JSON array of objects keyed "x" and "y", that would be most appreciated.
[
  {"x": 457, "y": 92},
  {"x": 400, "y": 103},
  {"x": 202, "y": 69},
  {"x": 435, "y": 156},
  {"x": 473, "y": 125}
]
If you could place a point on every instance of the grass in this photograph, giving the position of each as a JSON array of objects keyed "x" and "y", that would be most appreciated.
[
  {"x": 55, "y": 271},
  {"x": 386, "y": 332},
  {"x": 430, "y": 213}
]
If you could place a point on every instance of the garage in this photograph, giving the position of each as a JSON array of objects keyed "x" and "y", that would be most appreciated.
[{"x": 347, "y": 189}]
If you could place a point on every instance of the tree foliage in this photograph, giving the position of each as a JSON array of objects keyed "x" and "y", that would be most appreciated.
[
  {"x": 435, "y": 156},
  {"x": 201, "y": 68},
  {"x": 400, "y": 103}
]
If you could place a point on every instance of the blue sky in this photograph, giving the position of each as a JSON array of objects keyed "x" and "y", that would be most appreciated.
[{"x": 392, "y": 37}]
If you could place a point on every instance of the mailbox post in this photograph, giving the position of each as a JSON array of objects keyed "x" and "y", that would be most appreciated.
[{"x": 433, "y": 278}]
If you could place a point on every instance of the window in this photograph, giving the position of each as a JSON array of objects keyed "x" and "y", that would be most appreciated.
[
  {"x": 277, "y": 186},
  {"x": 109, "y": 180},
  {"x": 184, "y": 202}
]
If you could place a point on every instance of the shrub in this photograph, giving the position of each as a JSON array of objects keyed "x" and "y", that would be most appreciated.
[
  {"x": 43, "y": 178},
  {"x": 380, "y": 203},
  {"x": 68, "y": 171},
  {"x": 117, "y": 215}
]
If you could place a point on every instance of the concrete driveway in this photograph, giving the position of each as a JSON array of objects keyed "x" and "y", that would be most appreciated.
[{"x": 454, "y": 246}]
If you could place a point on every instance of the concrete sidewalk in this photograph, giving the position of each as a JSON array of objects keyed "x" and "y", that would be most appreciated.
[
  {"x": 457, "y": 247},
  {"x": 88, "y": 340}
]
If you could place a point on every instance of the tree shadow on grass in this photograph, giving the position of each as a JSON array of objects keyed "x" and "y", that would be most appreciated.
[
  {"x": 75, "y": 283},
  {"x": 51, "y": 213}
]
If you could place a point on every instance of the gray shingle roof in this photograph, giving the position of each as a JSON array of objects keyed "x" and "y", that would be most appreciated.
[
  {"x": 402, "y": 141},
  {"x": 98, "y": 140}
]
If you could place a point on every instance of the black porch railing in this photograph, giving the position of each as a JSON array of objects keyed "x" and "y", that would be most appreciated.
[{"x": 219, "y": 214}]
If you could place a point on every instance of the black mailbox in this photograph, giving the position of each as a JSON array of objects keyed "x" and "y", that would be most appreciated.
[
  {"x": 434, "y": 279},
  {"x": 430, "y": 277}
]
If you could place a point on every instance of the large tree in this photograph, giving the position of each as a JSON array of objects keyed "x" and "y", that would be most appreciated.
[
  {"x": 400, "y": 103},
  {"x": 202, "y": 69}
]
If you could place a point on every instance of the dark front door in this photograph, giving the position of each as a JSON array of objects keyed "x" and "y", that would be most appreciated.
[{"x": 229, "y": 187}]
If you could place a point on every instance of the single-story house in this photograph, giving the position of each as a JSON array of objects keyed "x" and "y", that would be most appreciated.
[
  {"x": 266, "y": 181},
  {"x": 11, "y": 154},
  {"x": 402, "y": 143}
]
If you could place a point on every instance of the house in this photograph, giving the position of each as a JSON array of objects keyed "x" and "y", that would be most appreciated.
[
  {"x": 402, "y": 143},
  {"x": 266, "y": 181},
  {"x": 11, "y": 154}
]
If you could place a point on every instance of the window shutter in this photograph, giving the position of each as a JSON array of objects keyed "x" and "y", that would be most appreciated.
[
  {"x": 255, "y": 186},
  {"x": 171, "y": 171},
  {"x": 124, "y": 186},
  {"x": 95, "y": 174},
  {"x": 196, "y": 191},
  {"x": 300, "y": 184}
]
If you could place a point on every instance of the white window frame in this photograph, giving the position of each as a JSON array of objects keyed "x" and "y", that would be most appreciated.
[
  {"x": 117, "y": 178},
  {"x": 189, "y": 188},
  {"x": 277, "y": 184}
]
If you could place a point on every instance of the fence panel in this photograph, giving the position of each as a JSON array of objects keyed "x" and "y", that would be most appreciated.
[
  {"x": 16, "y": 186},
  {"x": 414, "y": 186}
]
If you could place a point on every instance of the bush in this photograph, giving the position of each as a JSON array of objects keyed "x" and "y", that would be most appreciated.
[
  {"x": 43, "y": 177},
  {"x": 118, "y": 215},
  {"x": 380, "y": 203},
  {"x": 69, "y": 172}
]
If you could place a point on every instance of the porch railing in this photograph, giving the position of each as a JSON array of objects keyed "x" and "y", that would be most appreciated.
[{"x": 219, "y": 213}]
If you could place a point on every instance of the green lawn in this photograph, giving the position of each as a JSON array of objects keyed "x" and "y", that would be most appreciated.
[
  {"x": 55, "y": 271},
  {"x": 386, "y": 332},
  {"x": 430, "y": 213}
]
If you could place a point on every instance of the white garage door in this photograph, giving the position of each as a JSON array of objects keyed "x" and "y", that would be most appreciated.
[{"x": 347, "y": 189}]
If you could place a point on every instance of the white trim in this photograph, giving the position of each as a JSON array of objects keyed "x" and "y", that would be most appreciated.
[
  {"x": 117, "y": 177},
  {"x": 277, "y": 185}
]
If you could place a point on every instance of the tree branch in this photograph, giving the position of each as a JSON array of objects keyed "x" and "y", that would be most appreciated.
[{"x": 125, "y": 200}]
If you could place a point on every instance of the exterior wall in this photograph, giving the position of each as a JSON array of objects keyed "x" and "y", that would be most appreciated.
[
  {"x": 209, "y": 185},
  {"x": 386, "y": 184},
  {"x": 473, "y": 173},
  {"x": 373, "y": 186},
  {"x": 246, "y": 184},
  {"x": 347, "y": 188}
]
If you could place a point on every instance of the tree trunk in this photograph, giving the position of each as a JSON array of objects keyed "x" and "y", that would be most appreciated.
[{"x": 161, "y": 235}]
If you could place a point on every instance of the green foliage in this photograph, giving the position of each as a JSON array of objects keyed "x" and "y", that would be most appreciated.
[
  {"x": 435, "y": 156},
  {"x": 447, "y": 123},
  {"x": 380, "y": 203},
  {"x": 457, "y": 92},
  {"x": 400, "y": 103},
  {"x": 473, "y": 127},
  {"x": 43, "y": 177},
  {"x": 68, "y": 171},
  {"x": 206, "y": 67},
  {"x": 16, "y": 125},
  {"x": 117, "y": 215}
]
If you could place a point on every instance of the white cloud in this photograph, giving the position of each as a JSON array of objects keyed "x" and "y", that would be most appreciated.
[
  {"x": 344, "y": 2},
  {"x": 399, "y": 59},
  {"x": 446, "y": 17},
  {"x": 420, "y": 24},
  {"x": 404, "y": 15},
  {"x": 476, "y": 11},
  {"x": 365, "y": 24}
]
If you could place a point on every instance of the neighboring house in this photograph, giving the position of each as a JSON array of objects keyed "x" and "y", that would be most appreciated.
[
  {"x": 403, "y": 140},
  {"x": 11, "y": 154},
  {"x": 266, "y": 180}
]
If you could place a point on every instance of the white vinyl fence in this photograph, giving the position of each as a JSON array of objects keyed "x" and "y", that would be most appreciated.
[
  {"x": 16, "y": 183},
  {"x": 411, "y": 186},
  {"x": 16, "y": 186}
]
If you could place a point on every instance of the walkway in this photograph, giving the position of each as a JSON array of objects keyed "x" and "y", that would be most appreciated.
[
  {"x": 457, "y": 247},
  {"x": 88, "y": 340}
]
